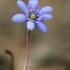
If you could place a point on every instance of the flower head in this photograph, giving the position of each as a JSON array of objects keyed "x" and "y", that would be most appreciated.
[{"x": 33, "y": 15}]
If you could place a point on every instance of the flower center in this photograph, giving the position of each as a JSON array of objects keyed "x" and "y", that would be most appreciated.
[{"x": 33, "y": 16}]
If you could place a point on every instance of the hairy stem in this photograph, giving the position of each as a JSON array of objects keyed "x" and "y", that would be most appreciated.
[{"x": 27, "y": 50}]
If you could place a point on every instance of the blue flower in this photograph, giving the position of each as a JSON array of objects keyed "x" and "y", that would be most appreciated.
[{"x": 33, "y": 15}]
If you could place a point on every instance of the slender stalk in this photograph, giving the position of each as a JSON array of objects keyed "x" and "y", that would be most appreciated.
[{"x": 27, "y": 50}]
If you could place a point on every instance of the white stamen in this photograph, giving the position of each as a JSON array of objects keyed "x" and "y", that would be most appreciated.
[
  {"x": 28, "y": 18},
  {"x": 37, "y": 22},
  {"x": 40, "y": 18},
  {"x": 36, "y": 12},
  {"x": 33, "y": 6},
  {"x": 39, "y": 7},
  {"x": 32, "y": 20},
  {"x": 28, "y": 6},
  {"x": 30, "y": 10},
  {"x": 26, "y": 12}
]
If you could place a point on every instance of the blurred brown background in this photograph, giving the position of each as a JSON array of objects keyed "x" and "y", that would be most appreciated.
[{"x": 49, "y": 51}]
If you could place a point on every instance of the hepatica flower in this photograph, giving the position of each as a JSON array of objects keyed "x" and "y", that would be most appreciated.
[{"x": 33, "y": 15}]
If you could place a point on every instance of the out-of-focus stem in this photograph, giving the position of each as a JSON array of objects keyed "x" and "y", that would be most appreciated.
[{"x": 12, "y": 59}]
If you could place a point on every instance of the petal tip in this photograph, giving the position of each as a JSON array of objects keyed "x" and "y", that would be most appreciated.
[
  {"x": 13, "y": 18},
  {"x": 46, "y": 10},
  {"x": 42, "y": 26},
  {"x": 50, "y": 8},
  {"x": 22, "y": 5},
  {"x": 47, "y": 17},
  {"x": 45, "y": 30},
  {"x": 19, "y": 18},
  {"x": 51, "y": 17}
]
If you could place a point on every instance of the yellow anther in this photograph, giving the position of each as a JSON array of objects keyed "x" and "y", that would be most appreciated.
[{"x": 33, "y": 16}]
